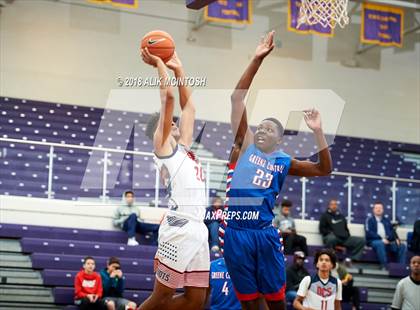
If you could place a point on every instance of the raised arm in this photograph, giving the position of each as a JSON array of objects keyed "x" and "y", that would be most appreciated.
[
  {"x": 324, "y": 165},
  {"x": 161, "y": 142},
  {"x": 186, "y": 122},
  {"x": 241, "y": 131}
]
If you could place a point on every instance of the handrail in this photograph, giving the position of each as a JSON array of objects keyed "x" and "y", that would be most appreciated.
[
  {"x": 204, "y": 159},
  {"x": 95, "y": 148}
]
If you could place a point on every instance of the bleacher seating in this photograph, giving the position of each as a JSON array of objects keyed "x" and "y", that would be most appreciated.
[
  {"x": 58, "y": 253},
  {"x": 24, "y": 166}
]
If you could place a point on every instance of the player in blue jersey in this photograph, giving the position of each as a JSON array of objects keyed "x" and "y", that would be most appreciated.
[
  {"x": 221, "y": 291},
  {"x": 252, "y": 246}
]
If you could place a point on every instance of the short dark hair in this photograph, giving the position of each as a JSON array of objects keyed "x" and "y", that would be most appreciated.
[
  {"x": 328, "y": 252},
  {"x": 378, "y": 203},
  {"x": 152, "y": 124},
  {"x": 286, "y": 203},
  {"x": 216, "y": 198},
  {"x": 128, "y": 192},
  {"x": 113, "y": 260},
  {"x": 87, "y": 258},
  {"x": 278, "y": 123}
]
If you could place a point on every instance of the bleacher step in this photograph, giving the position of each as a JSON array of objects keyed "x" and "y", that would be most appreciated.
[
  {"x": 379, "y": 300},
  {"x": 14, "y": 260},
  {"x": 7, "y": 290},
  {"x": 16, "y": 305},
  {"x": 375, "y": 282},
  {"x": 19, "y": 276},
  {"x": 25, "y": 298},
  {"x": 10, "y": 245},
  {"x": 374, "y": 272},
  {"x": 381, "y": 293}
]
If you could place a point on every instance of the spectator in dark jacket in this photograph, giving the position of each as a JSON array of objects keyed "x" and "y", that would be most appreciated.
[
  {"x": 212, "y": 220},
  {"x": 294, "y": 275},
  {"x": 334, "y": 231},
  {"x": 381, "y": 236},
  {"x": 113, "y": 284},
  {"x": 415, "y": 239}
]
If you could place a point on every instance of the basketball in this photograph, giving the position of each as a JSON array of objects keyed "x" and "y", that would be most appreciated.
[{"x": 159, "y": 43}]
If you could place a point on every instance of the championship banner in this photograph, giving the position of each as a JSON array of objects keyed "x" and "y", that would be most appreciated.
[
  {"x": 382, "y": 25},
  {"x": 292, "y": 22},
  {"x": 229, "y": 11},
  {"x": 120, "y": 3}
]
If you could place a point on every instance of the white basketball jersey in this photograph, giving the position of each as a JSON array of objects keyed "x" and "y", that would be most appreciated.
[
  {"x": 187, "y": 183},
  {"x": 318, "y": 294}
]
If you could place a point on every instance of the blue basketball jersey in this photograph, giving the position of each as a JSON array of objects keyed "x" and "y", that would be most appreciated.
[
  {"x": 222, "y": 295},
  {"x": 256, "y": 182}
]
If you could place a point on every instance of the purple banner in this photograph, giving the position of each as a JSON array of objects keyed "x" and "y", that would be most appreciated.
[
  {"x": 293, "y": 17},
  {"x": 236, "y": 11},
  {"x": 382, "y": 25}
]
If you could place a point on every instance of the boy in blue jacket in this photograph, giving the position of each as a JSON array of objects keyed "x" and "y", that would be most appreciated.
[
  {"x": 381, "y": 236},
  {"x": 113, "y": 283}
]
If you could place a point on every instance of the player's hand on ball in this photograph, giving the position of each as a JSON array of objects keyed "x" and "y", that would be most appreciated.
[
  {"x": 265, "y": 46},
  {"x": 174, "y": 63},
  {"x": 313, "y": 119},
  {"x": 149, "y": 58}
]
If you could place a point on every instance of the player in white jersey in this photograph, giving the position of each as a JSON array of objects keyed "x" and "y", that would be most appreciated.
[
  {"x": 321, "y": 291},
  {"x": 182, "y": 259}
]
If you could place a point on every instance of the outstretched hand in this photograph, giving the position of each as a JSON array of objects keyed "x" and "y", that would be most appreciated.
[
  {"x": 265, "y": 46},
  {"x": 149, "y": 58},
  {"x": 313, "y": 119},
  {"x": 174, "y": 63}
]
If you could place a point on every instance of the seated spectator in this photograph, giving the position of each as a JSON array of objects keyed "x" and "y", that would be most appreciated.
[
  {"x": 212, "y": 221},
  {"x": 321, "y": 291},
  {"x": 415, "y": 238},
  {"x": 334, "y": 231},
  {"x": 407, "y": 293},
  {"x": 127, "y": 217},
  {"x": 221, "y": 293},
  {"x": 350, "y": 292},
  {"x": 88, "y": 287},
  {"x": 291, "y": 240},
  {"x": 113, "y": 283},
  {"x": 381, "y": 236},
  {"x": 294, "y": 275}
]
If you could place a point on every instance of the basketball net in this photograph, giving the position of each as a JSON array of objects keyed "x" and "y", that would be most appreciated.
[{"x": 324, "y": 12}]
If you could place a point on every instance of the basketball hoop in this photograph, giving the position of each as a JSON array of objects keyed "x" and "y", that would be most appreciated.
[{"x": 324, "y": 12}]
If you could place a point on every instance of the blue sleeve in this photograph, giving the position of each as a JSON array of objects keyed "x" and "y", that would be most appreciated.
[
  {"x": 371, "y": 234},
  {"x": 390, "y": 233}
]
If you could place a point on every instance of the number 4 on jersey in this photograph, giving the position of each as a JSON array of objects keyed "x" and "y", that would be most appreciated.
[{"x": 225, "y": 288}]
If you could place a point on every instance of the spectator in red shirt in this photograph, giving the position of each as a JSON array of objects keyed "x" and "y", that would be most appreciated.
[{"x": 88, "y": 287}]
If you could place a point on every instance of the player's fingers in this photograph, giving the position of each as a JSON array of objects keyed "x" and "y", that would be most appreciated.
[
  {"x": 271, "y": 37},
  {"x": 146, "y": 51}
]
